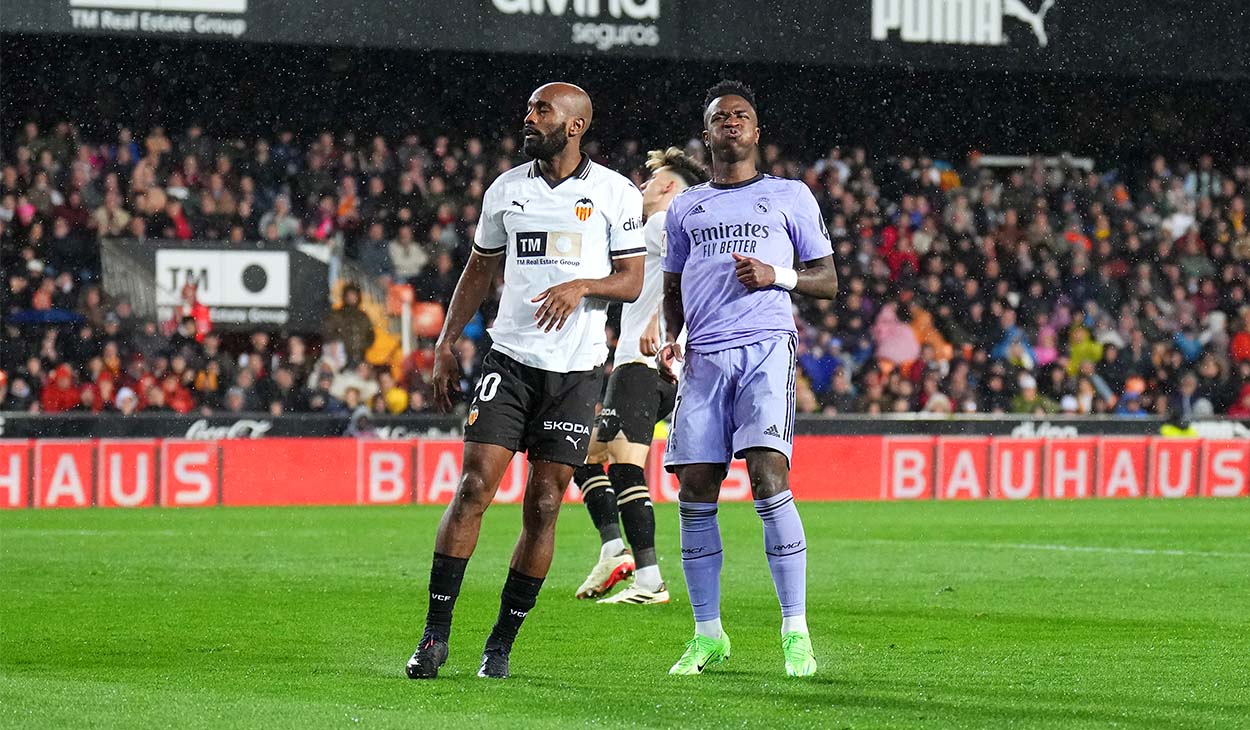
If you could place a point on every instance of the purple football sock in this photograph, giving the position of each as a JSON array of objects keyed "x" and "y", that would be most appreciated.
[
  {"x": 701, "y": 558},
  {"x": 786, "y": 547}
]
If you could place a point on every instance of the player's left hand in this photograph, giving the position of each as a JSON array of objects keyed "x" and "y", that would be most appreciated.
[
  {"x": 558, "y": 303},
  {"x": 753, "y": 273},
  {"x": 649, "y": 344}
]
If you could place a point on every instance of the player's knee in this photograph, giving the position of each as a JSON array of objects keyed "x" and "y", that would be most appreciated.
[
  {"x": 473, "y": 494},
  {"x": 698, "y": 492},
  {"x": 769, "y": 472},
  {"x": 768, "y": 482},
  {"x": 700, "y": 482}
]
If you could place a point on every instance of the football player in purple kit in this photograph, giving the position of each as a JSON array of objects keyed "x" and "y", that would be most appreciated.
[{"x": 728, "y": 277}]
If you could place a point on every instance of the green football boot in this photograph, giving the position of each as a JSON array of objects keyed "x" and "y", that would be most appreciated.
[
  {"x": 701, "y": 652},
  {"x": 797, "y": 648}
]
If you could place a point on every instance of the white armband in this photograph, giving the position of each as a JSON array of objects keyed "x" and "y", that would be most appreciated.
[{"x": 785, "y": 278}]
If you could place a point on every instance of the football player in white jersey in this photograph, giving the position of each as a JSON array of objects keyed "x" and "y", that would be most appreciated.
[
  {"x": 570, "y": 231},
  {"x": 637, "y": 397}
]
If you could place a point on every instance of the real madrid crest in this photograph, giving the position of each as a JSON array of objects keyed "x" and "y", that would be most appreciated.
[
  {"x": 583, "y": 209},
  {"x": 762, "y": 205}
]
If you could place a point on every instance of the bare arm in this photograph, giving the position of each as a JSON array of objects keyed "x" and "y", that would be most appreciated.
[
  {"x": 649, "y": 343},
  {"x": 470, "y": 292},
  {"x": 475, "y": 282},
  {"x": 672, "y": 308},
  {"x": 624, "y": 284},
  {"x": 674, "y": 320},
  {"x": 818, "y": 278}
]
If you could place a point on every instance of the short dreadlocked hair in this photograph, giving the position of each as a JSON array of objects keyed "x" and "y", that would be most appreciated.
[
  {"x": 690, "y": 170},
  {"x": 726, "y": 87}
]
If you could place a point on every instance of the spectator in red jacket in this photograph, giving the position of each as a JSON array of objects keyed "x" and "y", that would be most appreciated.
[
  {"x": 176, "y": 224},
  {"x": 1241, "y": 409},
  {"x": 191, "y": 307},
  {"x": 177, "y": 397},
  {"x": 62, "y": 394},
  {"x": 1239, "y": 346}
]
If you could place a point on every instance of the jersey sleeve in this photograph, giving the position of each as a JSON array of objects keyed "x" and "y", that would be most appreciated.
[
  {"x": 676, "y": 244},
  {"x": 491, "y": 238},
  {"x": 807, "y": 227},
  {"x": 625, "y": 235}
]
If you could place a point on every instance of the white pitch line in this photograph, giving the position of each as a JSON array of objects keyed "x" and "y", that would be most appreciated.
[
  {"x": 1063, "y": 548},
  {"x": 189, "y": 532},
  {"x": 1127, "y": 550},
  {"x": 68, "y": 532},
  {"x": 46, "y": 532}
]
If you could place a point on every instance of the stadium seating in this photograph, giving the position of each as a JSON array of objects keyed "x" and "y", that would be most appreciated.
[{"x": 1119, "y": 292}]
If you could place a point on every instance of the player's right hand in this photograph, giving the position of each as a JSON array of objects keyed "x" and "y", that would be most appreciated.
[
  {"x": 665, "y": 358},
  {"x": 446, "y": 376},
  {"x": 753, "y": 273}
]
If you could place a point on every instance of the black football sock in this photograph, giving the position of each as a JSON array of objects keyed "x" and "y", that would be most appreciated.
[
  {"x": 520, "y": 593},
  {"x": 637, "y": 515},
  {"x": 446, "y": 574},
  {"x": 600, "y": 500}
]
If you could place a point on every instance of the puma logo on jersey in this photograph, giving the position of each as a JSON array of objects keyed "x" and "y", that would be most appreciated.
[
  {"x": 521, "y": 205},
  {"x": 573, "y": 441}
]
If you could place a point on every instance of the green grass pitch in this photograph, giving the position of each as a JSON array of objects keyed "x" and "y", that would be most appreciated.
[{"x": 1093, "y": 614}]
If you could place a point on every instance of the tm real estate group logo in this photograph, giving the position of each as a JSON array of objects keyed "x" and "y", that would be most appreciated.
[{"x": 155, "y": 17}]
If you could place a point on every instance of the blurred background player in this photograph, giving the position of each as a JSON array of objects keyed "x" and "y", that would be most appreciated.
[
  {"x": 572, "y": 232},
  {"x": 727, "y": 279},
  {"x": 636, "y": 399}
]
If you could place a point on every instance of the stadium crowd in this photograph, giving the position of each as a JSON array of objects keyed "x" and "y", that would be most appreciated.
[{"x": 1039, "y": 291}]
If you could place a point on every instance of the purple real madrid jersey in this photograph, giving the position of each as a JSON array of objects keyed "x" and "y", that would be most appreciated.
[{"x": 767, "y": 218}]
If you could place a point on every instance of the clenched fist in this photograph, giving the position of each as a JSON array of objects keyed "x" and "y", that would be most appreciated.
[{"x": 753, "y": 273}]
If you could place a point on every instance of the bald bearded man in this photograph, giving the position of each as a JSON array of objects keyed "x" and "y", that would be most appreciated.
[{"x": 572, "y": 233}]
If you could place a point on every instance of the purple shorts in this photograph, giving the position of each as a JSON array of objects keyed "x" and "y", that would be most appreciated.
[{"x": 734, "y": 400}]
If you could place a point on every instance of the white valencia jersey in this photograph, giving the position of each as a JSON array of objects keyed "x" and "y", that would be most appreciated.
[
  {"x": 552, "y": 234},
  {"x": 635, "y": 316}
]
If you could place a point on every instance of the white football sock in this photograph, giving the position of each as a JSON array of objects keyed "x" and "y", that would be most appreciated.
[
  {"x": 793, "y": 623},
  {"x": 611, "y": 548},
  {"x": 649, "y": 578},
  {"x": 710, "y": 629}
]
